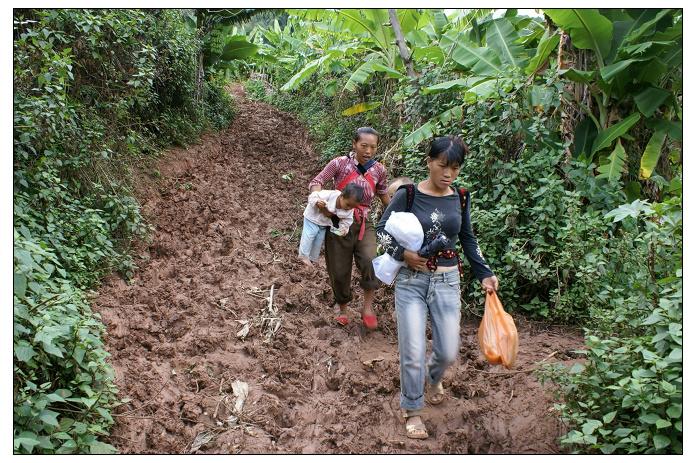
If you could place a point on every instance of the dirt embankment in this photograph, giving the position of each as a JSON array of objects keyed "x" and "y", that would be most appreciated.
[{"x": 227, "y": 213}]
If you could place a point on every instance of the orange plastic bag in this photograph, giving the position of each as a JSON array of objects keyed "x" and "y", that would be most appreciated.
[{"x": 497, "y": 333}]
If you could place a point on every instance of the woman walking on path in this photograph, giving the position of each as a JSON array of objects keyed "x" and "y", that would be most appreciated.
[
  {"x": 360, "y": 242},
  {"x": 430, "y": 284}
]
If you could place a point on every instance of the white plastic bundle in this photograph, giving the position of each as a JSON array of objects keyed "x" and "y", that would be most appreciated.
[{"x": 405, "y": 228}]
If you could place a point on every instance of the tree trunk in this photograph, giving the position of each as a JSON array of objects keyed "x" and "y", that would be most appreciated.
[
  {"x": 200, "y": 75},
  {"x": 200, "y": 71},
  {"x": 403, "y": 48},
  {"x": 571, "y": 114}
]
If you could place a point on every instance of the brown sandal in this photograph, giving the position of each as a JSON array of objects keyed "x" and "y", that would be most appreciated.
[
  {"x": 435, "y": 393},
  {"x": 416, "y": 430}
]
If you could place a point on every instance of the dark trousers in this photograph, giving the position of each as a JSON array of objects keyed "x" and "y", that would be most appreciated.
[{"x": 340, "y": 251}]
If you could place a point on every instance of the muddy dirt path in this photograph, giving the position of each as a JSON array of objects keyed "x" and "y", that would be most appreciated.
[{"x": 227, "y": 214}]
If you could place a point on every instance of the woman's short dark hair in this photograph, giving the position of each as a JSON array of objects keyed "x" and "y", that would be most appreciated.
[
  {"x": 365, "y": 130},
  {"x": 353, "y": 191},
  {"x": 451, "y": 146}
]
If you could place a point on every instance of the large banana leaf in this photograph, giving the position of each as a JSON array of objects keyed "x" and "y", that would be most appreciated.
[
  {"x": 417, "y": 38},
  {"x": 480, "y": 60},
  {"x": 450, "y": 114},
  {"x": 463, "y": 19},
  {"x": 439, "y": 21},
  {"x": 422, "y": 133},
  {"x": 651, "y": 72},
  {"x": 373, "y": 23},
  {"x": 426, "y": 131},
  {"x": 237, "y": 47},
  {"x": 365, "y": 70},
  {"x": 605, "y": 137},
  {"x": 672, "y": 128},
  {"x": 433, "y": 54},
  {"x": 408, "y": 19},
  {"x": 616, "y": 164},
  {"x": 651, "y": 155},
  {"x": 648, "y": 49},
  {"x": 486, "y": 89},
  {"x": 456, "y": 84},
  {"x": 647, "y": 26},
  {"x": 650, "y": 99},
  {"x": 625, "y": 26},
  {"x": 532, "y": 31},
  {"x": 501, "y": 37},
  {"x": 621, "y": 29},
  {"x": 361, "y": 108},
  {"x": 391, "y": 72},
  {"x": 674, "y": 57},
  {"x": 306, "y": 72},
  {"x": 311, "y": 14},
  {"x": 587, "y": 28},
  {"x": 544, "y": 49},
  {"x": 608, "y": 73},
  {"x": 671, "y": 33},
  {"x": 379, "y": 21},
  {"x": 585, "y": 134},
  {"x": 576, "y": 75}
]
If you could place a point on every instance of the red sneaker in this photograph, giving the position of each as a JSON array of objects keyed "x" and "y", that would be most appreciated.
[{"x": 342, "y": 320}]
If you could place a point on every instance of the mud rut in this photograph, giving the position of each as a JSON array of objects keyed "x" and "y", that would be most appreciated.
[{"x": 226, "y": 228}]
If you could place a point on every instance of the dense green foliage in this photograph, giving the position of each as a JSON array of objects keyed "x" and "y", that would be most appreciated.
[
  {"x": 632, "y": 84},
  {"x": 96, "y": 92},
  {"x": 627, "y": 397},
  {"x": 543, "y": 206},
  {"x": 574, "y": 125}
]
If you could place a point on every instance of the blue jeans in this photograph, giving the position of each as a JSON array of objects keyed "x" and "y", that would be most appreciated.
[
  {"x": 419, "y": 294},
  {"x": 312, "y": 238}
]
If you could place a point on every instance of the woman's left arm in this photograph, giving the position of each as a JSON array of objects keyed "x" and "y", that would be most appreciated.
[
  {"x": 472, "y": 251},
  {"x": 382, "y": 187}
]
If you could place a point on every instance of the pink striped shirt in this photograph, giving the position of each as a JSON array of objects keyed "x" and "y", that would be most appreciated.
[{"x": 341, "y": 167}]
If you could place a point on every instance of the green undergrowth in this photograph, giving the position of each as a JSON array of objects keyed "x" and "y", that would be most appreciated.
[{"x": 98, "y": 93}]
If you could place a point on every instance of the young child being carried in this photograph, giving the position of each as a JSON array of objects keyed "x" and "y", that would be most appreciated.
[
  {"x": 396, "y": 183},
  {"x": 340, "y": 204}
]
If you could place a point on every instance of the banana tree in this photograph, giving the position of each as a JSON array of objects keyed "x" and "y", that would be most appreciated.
[
  {"x": 219, "y": 46},
  {"x": 489, "y": 54},
  {"x": 376, "y": 44},
  {"x": 638, "y": 55}
]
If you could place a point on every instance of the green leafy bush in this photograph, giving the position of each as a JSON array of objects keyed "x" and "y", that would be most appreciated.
[
  {"x": 96, "y": 91},
  {"x": 63, "y": 387},
  {"x": 627, "y": 396}
]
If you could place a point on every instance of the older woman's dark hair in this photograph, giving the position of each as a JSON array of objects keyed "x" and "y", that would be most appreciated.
[
  {"x": 353, "y": 191},
  {"x": 367, "y": 131},
  {"x": 452, "y": 147}
]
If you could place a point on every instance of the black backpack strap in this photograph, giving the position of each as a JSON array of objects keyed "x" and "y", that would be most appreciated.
[{"x": 410, "y": 195}]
